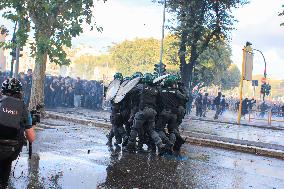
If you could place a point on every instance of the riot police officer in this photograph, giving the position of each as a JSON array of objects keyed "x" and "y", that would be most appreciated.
[
  {"x": 169, "y": 98},
  {"x": 134, "y": 97},
  {"x": 182, "y": 101},
  {"x": 15, "y": 126},
  {"x": 116, "y": 118},
  {"x": 144, "y": 119}
]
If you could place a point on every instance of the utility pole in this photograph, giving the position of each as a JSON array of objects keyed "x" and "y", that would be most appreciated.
[
  {"x": 162, "y": 40},
  {"x": 264, "y": 73},
  {"x": 13, "y": 50},
  {"x": 18, "y": 49},
  {"x": 247, "y": 49}
]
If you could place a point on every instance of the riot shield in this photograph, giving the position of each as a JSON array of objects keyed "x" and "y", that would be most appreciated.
[
  {"x": 125, "y": 89},
  {"x": 159, "y": 79},
  {"x": 112, "y": 89}
]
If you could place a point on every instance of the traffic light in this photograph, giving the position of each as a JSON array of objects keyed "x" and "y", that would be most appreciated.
[
  {"x": 156, "y": 69},
  {"x": 13, "y": 53},
  {"x": 262, "y": 90},
  {"x": 163, "y": 69},
  {"x": 267, "y": 90},
  {"x": 159, "y": 69}
]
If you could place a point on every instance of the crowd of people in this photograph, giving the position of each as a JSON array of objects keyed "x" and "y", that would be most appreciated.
[
  {"x": 204, "y": 103},
  {"x": 64, "y": 91}
]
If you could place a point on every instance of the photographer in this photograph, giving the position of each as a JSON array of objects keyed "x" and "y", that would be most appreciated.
[{"x": 15, "y": 126}]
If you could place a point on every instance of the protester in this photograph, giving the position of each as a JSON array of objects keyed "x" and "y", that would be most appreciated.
[{"x": 64, "y": 91}]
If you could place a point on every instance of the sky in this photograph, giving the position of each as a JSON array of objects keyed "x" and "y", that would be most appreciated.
[{"x": 258, "y": 23}]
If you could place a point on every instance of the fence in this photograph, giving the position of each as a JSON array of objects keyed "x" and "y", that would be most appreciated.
[{"x": 267, "y": 114}]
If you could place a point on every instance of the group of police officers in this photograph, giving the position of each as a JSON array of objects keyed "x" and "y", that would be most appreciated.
[{"x": 150, "y": 111}]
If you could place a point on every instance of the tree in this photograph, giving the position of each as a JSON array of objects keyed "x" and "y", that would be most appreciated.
[
  {"x": 200, "y": 23},
  {"x": 130, "y": 56},
  {"x": 231, "y": 78},
  {"x": 3, "y": 30},
  {"x": 212, "y": 64},
  {"x": 55, "y": 23},
  {"x": 282, "y": 14},
  {"x": 86, "y": 64},
  {"x": 141, "y": 55}
]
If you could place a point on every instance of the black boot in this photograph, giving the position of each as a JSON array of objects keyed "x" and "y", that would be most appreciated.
[
  {"x": 161, "y": 148},
  {"x": 109, "y": 140}
]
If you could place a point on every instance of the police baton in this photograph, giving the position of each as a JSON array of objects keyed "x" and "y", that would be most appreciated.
[{"x": 30, "y": 150}]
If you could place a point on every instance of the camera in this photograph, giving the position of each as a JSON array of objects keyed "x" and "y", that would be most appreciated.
[{"x": 35, "y": 113}]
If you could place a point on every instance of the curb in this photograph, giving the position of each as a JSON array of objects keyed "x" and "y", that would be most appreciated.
[
  {"x": 78, "y": 120},
  {"x": 237, "y": 147},
  {"x": 190, "y": 139},
  {"x": 242, "y": 124}
]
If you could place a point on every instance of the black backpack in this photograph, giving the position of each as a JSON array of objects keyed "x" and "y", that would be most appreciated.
[{"x": 11, "y": 132}]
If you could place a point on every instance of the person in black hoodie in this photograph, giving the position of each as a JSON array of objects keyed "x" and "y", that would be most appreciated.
[{"x": 217, "y": 102}]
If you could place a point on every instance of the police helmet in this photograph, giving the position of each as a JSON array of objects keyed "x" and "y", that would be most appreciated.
[
  {"x": 155, "y": 75},
  {"x": 11, "y": 86},
  {"x": 118, "y": 76},
  {"x": 178, "y": 77},
  {"x": 148, "y": 78},
  {"x": 137, "y": 74},
  {"x": 170, "y": 80}
]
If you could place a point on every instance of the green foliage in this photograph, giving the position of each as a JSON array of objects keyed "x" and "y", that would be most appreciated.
[
  {"x": 85, "y": 65},
  {"x": 130, "y": 55},
  {"x": 212, "y": 64},
  {"x": 282, "y": 14},
  {"x": 54, "y": 22},
  {"x": 200, "y": 23},
  {"x": 143, "y": 54},
  {"x": 231, "y": 78}
]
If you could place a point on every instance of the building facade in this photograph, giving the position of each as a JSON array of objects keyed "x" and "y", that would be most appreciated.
[{"x": 2, "y": 54}]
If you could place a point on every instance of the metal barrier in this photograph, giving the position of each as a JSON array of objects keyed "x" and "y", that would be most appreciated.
[
  {"x": 275, "y": 120},
  {"x": 268, "y": 119}
]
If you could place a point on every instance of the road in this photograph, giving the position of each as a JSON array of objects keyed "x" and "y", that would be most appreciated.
[{"x": 68, "y": 155}]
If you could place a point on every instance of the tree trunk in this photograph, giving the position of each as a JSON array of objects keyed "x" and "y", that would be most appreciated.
[
  {"x": 37, "y": 93},
  {"x": 182, "y": 58},
  {"x": 192, "y": 62}
]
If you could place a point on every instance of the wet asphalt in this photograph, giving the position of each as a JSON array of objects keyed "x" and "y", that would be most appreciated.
[{"x": 68, "y": 155}]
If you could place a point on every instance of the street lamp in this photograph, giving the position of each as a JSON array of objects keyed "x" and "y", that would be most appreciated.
[
  {"x": 264, "y": 61},
  {"x": 265, "y": 88},
  {"x": 162, "y": 40}
]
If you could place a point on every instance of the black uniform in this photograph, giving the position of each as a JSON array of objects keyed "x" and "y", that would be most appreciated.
[
  {"x": 245, "y": 107},
  {"x": 223, "y": 105},
  {"x": 15, "y": 137},
  {"x": 169, "y": 101},
  {"x": 119, "y": 115},
  {"x": 217, "y": 102},
  {"x": 182, "y": 103},
  {"x": 205, "y": 103},
  {"x": 198, "y": 104},
  {"x": 144, "y": 119}
]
